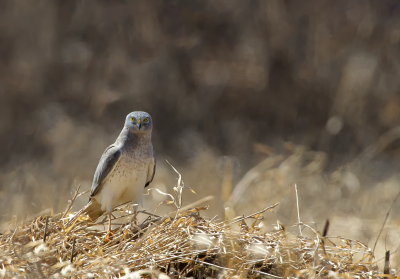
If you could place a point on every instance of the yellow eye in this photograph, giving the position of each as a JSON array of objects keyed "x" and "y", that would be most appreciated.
[
  {"x": 146, "y": 120},
  {"x": 133, "y": 119}
]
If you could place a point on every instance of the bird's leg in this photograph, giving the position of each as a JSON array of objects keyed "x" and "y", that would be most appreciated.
[
  {"x": 109, "y": 222},
  {"x": 135, "y": 212},
  {"x": 109, "y": 232}
]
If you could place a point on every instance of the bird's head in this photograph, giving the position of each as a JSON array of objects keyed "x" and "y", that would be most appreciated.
[{"x": 139, "y": 122}]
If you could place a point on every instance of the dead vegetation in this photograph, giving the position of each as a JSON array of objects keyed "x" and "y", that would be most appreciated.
[
  {"x": 186, "y": 245},
  {"x": 180, "y": 244}
]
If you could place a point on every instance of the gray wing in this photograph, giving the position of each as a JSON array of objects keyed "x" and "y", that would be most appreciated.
[
  {"x": 107, "y": 162},
  {"x": 151, "y": 173}
]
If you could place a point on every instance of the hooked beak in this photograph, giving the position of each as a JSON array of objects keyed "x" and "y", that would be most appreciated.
[{"x": 139, "y": 124}]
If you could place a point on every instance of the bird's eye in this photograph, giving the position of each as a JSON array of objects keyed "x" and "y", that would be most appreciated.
[
  {"x": 146, "y": 120},
  {"x": 133, "y": 119}
]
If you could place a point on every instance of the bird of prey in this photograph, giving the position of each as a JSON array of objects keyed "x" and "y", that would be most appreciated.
[{"x": 126, "y": 167}]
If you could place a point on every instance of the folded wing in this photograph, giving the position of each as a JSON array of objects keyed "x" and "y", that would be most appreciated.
[{"x": 108, "y": 161}]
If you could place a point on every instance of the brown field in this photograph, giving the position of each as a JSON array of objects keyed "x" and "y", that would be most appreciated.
[{"x": 193, "y": 239}]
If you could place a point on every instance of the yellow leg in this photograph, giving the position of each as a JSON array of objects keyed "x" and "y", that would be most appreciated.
[
  {"x": 109, "y": 222},
  {"x": 135, "y": 213},
  {"x": 109, "y": 232}
]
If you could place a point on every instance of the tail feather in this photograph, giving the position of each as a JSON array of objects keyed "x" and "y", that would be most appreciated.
[{"x": 92, "y": 209}]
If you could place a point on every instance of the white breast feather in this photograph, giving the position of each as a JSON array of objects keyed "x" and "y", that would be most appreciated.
[{"x": 124, "y": 184}]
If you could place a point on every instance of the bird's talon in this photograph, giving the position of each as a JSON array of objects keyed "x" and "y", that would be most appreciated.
[{"x": 108, "y": 237}]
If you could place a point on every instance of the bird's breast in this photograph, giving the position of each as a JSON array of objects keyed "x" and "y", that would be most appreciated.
[{"x": 125, "y": 183}]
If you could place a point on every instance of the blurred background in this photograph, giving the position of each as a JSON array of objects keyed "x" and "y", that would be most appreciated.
[{"x": 248, "y": 98}]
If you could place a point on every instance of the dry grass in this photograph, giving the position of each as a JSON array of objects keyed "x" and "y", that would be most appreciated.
[
  {"x": 180, "y": 244},
  {"x": 184, "y": 245}
]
